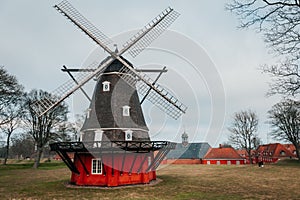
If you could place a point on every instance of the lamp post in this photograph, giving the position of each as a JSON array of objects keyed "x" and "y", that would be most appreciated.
[{"x": 255, "y": 150}]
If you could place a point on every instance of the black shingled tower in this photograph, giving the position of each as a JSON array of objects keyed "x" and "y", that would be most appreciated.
[{"x": 105, "y": 111}]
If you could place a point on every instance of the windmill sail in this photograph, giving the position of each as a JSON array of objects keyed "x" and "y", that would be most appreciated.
[
  {"x": 79, "y": 20},
  {"x": 69, "y": 87},
  {"x": 135, "y": 45},
  {"x": 159, "y": 96},
  {"x": 150, "y": 32}
]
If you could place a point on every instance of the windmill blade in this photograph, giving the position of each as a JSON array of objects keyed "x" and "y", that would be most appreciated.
[
  {"x": 82, "y": 23},
  {"x": 138, "y": 42},
  {"x": 150, "y": 32},
  {"x": 152, "y": 70},
  {"x": 158, "y": 96},
  {"x": 77, "y": 70},
  {"x": 74, "y": 79},
  {"x": 92, "y": 70},
  {"x": 154, "y": 92},
  {"x": 156, "y": 79},
  {"x": 65, "y": 90}
]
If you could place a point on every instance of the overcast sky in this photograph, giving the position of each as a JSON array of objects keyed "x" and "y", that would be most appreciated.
[{"x": 213, "y": 66}]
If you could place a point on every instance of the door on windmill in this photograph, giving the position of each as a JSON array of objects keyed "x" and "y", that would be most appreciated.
[
  {"x": 98, "y": 138},
  {"x": 96, "y": 166},
  {"x": 128, "y": 135}
]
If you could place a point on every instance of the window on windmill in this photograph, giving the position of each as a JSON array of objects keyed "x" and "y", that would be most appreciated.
[
  {"x": 88, "y": 113},
  {"x": 98, "y": 138},
  {"x": 128, "y": 135},
  {"x": 106, "y": 86},
  {"x": 96, "y": 166},
  {"x": 149, "y": 161},
  {"x": 126, "y": 111}
]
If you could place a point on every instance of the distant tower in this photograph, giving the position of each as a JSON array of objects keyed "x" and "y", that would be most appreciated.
[{"x": 185, "y": 139}]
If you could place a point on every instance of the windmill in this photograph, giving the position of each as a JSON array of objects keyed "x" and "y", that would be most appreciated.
[{"x": 115, "y": 147}]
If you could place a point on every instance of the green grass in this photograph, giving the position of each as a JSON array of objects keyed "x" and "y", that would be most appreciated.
[
  {"x": 24, "y": 164},
  {"x": 289, "y": 162},
  {"x": 276, "y": 181}
]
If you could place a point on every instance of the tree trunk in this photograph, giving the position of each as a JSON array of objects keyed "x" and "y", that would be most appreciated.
[
  {"x": 6, "y": 150},
  {"x": 250, "y": 156},
  {"x": 297, "y": 151},
  {"x": 6, "y": 155},
  {"x": 38, "y": 157}
]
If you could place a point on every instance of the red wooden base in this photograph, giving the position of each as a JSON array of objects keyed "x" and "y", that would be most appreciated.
[
  {"x": 112, "y": 163},
  {"x": 117, "y": 169}
]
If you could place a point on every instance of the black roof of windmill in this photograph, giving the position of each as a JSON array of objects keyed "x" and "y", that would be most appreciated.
[{"x": 129, "y": 78}]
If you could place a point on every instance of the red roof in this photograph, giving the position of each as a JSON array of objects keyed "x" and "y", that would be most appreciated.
[
  {"x": 222, "y": 153},
  {"x": 274, "y": 150},
  {"x": 291, "y": 148},
  {"x": 243, "y": 153}
]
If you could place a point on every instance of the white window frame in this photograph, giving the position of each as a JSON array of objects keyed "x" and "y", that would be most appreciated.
[
  {"x": 96, "y": 166},
  {"x": 98, "y": 135},
  {"x": 81, "y": 135},
  {"x": 106, "y": 86},
  {"x": 126, "y": 111},
  {"x": 149, "y": 161},
  {"x": 88, "y": 113},
  {"x": 128, "y": 135},
  {"x": 98, "y": 138}
]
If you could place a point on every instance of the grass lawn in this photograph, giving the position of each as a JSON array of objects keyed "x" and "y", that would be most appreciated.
[{"x": 277, "y": 181}]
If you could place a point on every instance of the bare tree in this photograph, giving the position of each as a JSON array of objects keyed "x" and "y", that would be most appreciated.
[
  {"x": 279, "y": 21},
  {"x": 285, "y": 78},
  {"x": 22, "y": 146},
  {"x": 42, "y": 129},
  {"x": 9, "y": 90},
  {"x": 10, "y": 106},
  {"x": 243, "y": 131},
  {"x": 69, "y": 131},
  {"x": 285, "y": 120},
  {"x": 12, "y": 112},
  {"x": 65, "y": 130}
]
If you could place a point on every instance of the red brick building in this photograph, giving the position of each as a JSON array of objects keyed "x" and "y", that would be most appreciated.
[
  {"x": 223, "y": 156},
  {"x": 291, "y": 148},
  {"x": 244, "y": 154},
  {"x": 271, "y": 153}
]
